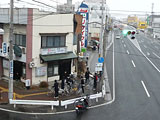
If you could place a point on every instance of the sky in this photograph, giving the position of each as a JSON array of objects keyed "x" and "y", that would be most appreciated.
[{"x": 117, "y": 7}]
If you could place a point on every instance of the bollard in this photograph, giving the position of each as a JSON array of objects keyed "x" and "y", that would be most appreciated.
[
  {"x": 65, "y": 106},
  {"x": 14, "y": 96},
  {"x": 14, "y": 105},
  {"x": 97, "y": 99},
  {"x": 52, "y": 107}
]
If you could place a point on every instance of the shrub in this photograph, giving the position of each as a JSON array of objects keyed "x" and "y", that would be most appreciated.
[{"x": 43, "y": 84}]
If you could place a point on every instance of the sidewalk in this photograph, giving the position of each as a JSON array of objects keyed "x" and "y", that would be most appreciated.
[{"x": 42, "y": 94}]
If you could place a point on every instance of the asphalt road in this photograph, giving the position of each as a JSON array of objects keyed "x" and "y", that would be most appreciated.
[{"x": 137, "y": 86}]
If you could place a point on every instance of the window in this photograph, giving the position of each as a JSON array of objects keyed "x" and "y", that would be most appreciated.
[
  {"x": 52, "y": 41},
  {"x": 19, "y": 40},
  {"x": 52, "y": 69},
  {"x": 75, "y": 39}
]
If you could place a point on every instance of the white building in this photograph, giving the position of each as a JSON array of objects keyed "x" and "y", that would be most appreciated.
[{"x": 45, "y": 45}]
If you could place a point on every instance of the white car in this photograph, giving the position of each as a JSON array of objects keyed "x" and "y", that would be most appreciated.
[{"x": 118, "y": 36}]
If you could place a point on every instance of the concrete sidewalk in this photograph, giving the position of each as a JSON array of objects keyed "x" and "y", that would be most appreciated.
[{"x": 42, "y": 94}]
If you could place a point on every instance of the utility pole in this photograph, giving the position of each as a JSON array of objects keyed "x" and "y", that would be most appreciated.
[
  {"x": 10, "y": 86},
  {"x": 101, "y": 33},
  {"x": 152, "y": 14}
]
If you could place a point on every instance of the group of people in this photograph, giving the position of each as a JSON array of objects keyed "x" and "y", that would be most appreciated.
[
  {"x": 68, "y": 82},
  {"x": 86, "y": 80},
  {"x": 65, "y": 82}
]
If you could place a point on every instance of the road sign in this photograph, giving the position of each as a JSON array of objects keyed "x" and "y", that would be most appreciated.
[
  {"x": 4, "y": 48},
  {"x": 101, "y": 60},
  {"x": 98, "y": 67}
]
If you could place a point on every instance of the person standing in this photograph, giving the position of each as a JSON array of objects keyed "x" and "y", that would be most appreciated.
[
  {"x": 62, "y": 84},
  {"x": 87, "y": 75},
  {"x": 82, "y": 84},
  {"x": 56, "y": 89},
  {"x": 95, "y": 81}
]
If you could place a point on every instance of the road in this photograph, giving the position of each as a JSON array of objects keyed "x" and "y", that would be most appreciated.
[{"x": 137, "y": 82}]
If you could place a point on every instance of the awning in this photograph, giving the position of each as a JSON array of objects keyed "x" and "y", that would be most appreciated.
[
  {"x": 47, "y": 58},
  {"x": 17, "y": 50}
]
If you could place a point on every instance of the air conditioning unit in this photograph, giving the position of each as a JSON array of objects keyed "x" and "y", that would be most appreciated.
[
  {"x": 31, "y": 64},
  {"x": 24, "y": 50}
]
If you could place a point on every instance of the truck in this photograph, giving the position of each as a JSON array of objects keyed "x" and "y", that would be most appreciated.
[{"x": 142, "y": 25}]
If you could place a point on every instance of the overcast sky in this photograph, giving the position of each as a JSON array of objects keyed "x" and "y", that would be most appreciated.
[{"x": 127, "y": 5}]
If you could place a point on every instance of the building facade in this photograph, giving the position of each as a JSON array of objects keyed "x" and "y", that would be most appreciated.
[{"x": 45, "y": 45}]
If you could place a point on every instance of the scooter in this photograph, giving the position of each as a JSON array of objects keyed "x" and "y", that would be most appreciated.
[{"x": 81, "y": 105}]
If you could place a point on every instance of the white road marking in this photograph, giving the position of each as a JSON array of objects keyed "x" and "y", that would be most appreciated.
[
  {"x": 148, "y": 53},
  {"x": 156, "y": 47},
  {"x": 147, "y": 58},
  {"x": 145, "y": 89},
  {"x": 156, "y": 55},
  {"x": 114, "y": 88},
  {"x": 122, "y": 41},
  {"x": 133, "y": 63},
  {"x": 127, "y": 52},
  {"x": 145, "y": 46},
  {"x": 124, "y": 45}
]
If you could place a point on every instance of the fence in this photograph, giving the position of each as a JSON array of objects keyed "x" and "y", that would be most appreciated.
[{"x": 52, "y": 103}]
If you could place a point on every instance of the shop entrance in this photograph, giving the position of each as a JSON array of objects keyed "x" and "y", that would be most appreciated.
[
  {"x": 64, "y": 68},
  {"x": 17, "y": 70}
]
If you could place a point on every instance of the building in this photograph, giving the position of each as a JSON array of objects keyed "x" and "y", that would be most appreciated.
[
  {"x": 154, "y": 26},
  {"x": 66, "y": 8},
  {"x": 132, "y": 20},
  {"x": 45, "y": 44}
]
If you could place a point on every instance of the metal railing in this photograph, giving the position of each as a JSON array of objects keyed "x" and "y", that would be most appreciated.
[{"x": 52, "y": 103}]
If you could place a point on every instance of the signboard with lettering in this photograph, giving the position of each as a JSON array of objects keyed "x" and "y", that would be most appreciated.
[
  {"x": 41, "y": 71},
  {"x": 98, "y": 67},
  {"x": 5, "y": 64},
  {"x": 49, "y": 51},
  {"x": 83, "y": 10}
]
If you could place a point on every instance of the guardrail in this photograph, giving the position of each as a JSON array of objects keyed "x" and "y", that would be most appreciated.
[{"x": 52, "y": 103}]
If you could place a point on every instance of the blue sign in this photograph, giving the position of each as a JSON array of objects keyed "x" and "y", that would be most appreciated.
[
  {"x": 101, "y": 60},
  {"x": 4, "y": 50},
  {"x": 11, "y": 69}
]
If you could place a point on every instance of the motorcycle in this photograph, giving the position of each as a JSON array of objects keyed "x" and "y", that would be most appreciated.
[{"x": 81, "y": 105}]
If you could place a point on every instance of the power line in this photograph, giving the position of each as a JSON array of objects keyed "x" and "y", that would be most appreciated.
[
  {"x": 31, "y": 3},
  {"x": 44, "y": 4}
]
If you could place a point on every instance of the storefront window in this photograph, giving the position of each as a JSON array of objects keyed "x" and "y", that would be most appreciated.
[{"x": 52, "y": 69}]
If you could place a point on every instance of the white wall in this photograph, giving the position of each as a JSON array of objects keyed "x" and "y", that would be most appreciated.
[{"x": 59, "y": 23}]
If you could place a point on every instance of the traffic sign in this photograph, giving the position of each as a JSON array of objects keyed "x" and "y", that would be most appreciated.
[
  {"x": 98, "y": 67},
  {"x": 101, "y": 60}
]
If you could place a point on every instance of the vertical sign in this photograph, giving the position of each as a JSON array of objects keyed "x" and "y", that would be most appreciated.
[
  {"x": 83, "y": 10},
  {"x": 4, "y": 48},
  {"x": 11, "y": 69}
]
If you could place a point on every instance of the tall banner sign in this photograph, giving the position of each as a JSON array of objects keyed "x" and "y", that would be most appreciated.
[{"x": 83, "y": 10}]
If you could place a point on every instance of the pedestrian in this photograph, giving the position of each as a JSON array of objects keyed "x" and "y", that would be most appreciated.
[
  {"x": 95, "y": 81},
  {"x": 87, "y": 75},
  {"x": 82, "y": 84},
  {"x": 56, "y": 89},
  {"x": 62, "y": 84},
  {"x": 98, "y": 47}
]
